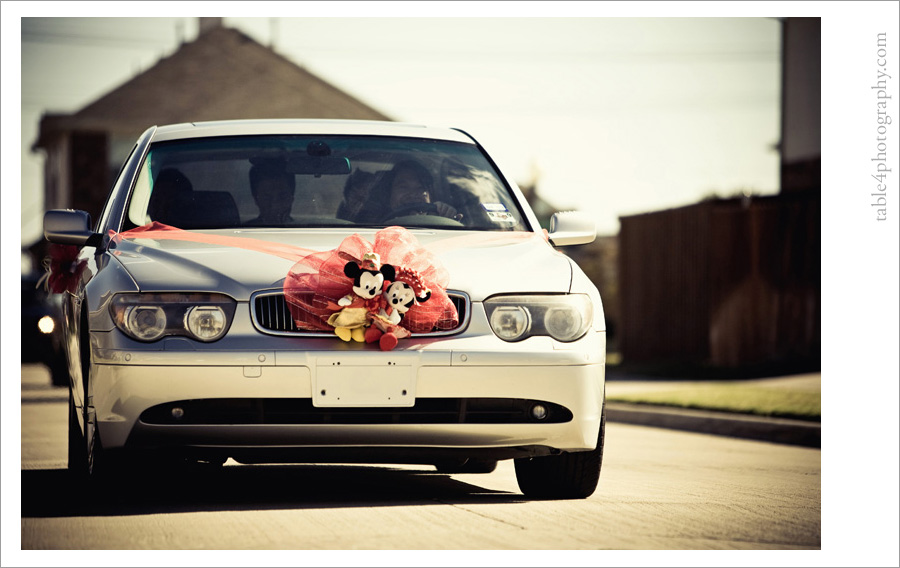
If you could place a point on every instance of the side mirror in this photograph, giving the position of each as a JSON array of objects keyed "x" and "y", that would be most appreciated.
[
  {"x": 571, "y": 228},
  {"x": 69, "y": 227}
]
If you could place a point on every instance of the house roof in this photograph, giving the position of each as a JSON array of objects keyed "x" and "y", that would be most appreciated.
[{"x": 223, "y": 74}]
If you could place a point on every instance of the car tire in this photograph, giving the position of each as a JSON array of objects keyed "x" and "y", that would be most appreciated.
[
  {"x": 467, "y": 466},
  {"x": 108, "y": 471},
  {"x": 88, "y": 462},
  {"x": 101, "y": 468},
  {"x": 571, "y": 475},
  {"x": 77, "y": 464}
]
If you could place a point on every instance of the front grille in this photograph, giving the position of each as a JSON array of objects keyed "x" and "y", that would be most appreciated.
[
  {"x": 274, "y": 411},
  {"x": 271, "y": 314}
]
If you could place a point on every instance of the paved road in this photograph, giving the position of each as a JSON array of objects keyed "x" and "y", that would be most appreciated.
[{"x": 660, "y": 489}]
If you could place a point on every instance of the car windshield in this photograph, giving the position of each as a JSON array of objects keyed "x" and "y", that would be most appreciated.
[{"x": 321, "y": 181}]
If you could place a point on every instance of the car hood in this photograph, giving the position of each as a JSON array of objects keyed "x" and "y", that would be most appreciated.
[{"x": 239, "y": 263}]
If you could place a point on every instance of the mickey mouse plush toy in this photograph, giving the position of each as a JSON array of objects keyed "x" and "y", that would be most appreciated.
[
  {"x": 403, "y": 293},
  {"x": 355, "y": 308}
]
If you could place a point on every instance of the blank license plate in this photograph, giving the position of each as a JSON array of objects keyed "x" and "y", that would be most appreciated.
[{"x": 338, "y": 383}]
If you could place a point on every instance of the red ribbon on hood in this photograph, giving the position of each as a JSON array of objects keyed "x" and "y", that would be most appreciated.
[
  {"x": 160, "y": 231},
  {"x": 317, "y": 280}
]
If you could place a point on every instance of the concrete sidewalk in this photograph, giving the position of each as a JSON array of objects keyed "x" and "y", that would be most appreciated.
[{"x": 776, "y": 430}]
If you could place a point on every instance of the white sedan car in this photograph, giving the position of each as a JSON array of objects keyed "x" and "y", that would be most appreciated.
[{"x": 299, "y": 291}]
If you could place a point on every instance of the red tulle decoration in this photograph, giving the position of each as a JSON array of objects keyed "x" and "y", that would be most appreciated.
[
  {"x": 317, "y": 281},
  {"x": 64, "y": 269}
]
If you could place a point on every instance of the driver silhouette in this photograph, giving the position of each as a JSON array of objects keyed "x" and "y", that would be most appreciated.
[{"x": 406, "y": 190}]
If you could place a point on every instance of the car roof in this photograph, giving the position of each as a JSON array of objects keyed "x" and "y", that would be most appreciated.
[{"x": 304, "y": 127}]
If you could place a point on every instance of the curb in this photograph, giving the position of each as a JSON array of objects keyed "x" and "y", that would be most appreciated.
[
  {"x": 50, "y": 395},
  {"x": 776, "y": 430}
]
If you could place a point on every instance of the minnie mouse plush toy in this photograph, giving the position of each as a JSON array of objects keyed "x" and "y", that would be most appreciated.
[{"x": 406, "y": 290}]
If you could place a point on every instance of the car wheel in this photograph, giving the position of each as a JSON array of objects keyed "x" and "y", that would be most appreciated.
[
  {"x": 88, "y": 461},
  {"x": 77, "y": 447},
  {"x": 467, "y": 466},
  {"x": 571, "y": 475},
  {"x": 101, "y": 466}
]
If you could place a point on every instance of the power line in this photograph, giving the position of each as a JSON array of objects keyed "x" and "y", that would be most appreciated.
[
  {"x": 711, "y": 54},
  {"x": 132, "y": 42}
]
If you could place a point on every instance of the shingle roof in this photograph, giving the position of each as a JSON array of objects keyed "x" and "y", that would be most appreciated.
[{"x": 223, "y": 74}]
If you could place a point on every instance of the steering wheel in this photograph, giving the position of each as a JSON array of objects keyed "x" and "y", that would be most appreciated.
[{"x": 412, "y": 209}]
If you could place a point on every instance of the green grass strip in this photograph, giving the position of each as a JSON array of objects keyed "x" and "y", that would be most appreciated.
[{"x": 761, "y": 401}]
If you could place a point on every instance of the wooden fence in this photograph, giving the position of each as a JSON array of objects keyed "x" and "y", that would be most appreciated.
[{"x": 723, "y": 282}]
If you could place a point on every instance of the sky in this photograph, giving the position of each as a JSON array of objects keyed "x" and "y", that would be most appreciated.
[{"x": 610, "y": 116}]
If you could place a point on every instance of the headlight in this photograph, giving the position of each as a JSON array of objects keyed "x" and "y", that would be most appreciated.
[
  {"x": 147, "y": 323},
  {"x": 564, "y": 323},
  {"x": 46, "y": 325},
  {"x": 564, "y": 317},
  {"x": 510, "y": 322},
  {"x": 206, "y": 323},
  {"x": 149, "y": 317}
]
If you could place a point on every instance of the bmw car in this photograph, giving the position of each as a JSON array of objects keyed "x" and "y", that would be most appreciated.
[{"x": 327, "y": 291}]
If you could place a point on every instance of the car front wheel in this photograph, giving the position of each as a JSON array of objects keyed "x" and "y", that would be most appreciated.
[
  {"x": 77, "y": 447},
  {"x": 87, "y": 458},
  {"x": 88, "y": 461},
  {"x": 571, "y": 475}
]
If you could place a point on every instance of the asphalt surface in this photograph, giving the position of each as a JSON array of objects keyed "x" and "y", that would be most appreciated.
[{"x": 36, "y": 387}]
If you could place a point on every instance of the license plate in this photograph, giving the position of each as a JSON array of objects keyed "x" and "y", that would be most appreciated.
[{"x": 348, "y": 382}]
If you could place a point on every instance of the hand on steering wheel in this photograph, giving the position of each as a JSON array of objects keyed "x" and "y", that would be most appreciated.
[{"x": 421, "y": 208}]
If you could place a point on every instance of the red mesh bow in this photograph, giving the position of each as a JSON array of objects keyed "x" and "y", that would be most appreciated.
[
  {"x": 317, "y": 281},
  {"x": 413, "y": 279},
  {"x": 64, "y": 269}
]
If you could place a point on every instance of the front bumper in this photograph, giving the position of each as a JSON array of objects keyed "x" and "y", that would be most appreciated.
[{"x": 326, "y": 378}]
